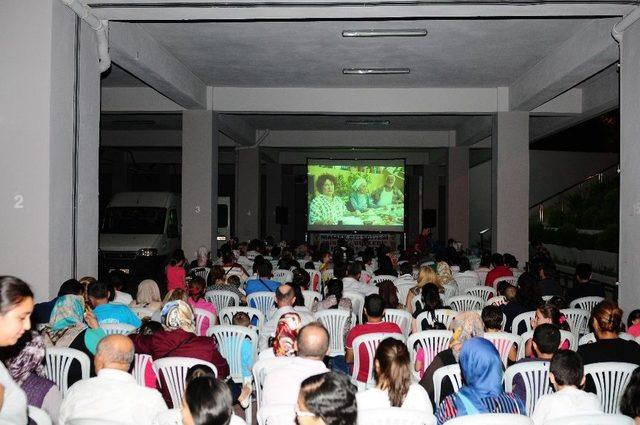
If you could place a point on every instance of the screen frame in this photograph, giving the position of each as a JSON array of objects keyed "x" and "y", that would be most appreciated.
[{"x": 359, "y": 228}]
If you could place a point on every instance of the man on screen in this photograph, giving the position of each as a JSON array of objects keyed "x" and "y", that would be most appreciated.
[
  {"x": 326, "y": 208},
  {"x": 388, "y": 194}
]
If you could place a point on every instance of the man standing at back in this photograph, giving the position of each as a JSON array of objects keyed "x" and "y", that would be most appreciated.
[{"x": 109, "y": 312}]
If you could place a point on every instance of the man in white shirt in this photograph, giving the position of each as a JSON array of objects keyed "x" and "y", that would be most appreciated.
[
  {"x": 282, "y": 383},
  {"x": 406, "y": 275},
  {"x": 114, "y": 394},
  {"x": 352, "y": 283},
  {"x": 285, "y": 300},
  {"x": 566, "y": 373}
]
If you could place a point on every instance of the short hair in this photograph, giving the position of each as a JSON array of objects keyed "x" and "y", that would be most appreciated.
[
  {"x": 629, "y": 404},
  {"x": 583, "y": 271},
  {"x": 492, "y": 317},
  {"x": 12, "y": 292},
  {"x": 264, "y": 268},
  {"x": 374, "y": 305},
  {"x": 406, "y": 268},
  {"x": 197, "y": 371},
  {"x": 634, "y": 315},
  {"x": 111, "y": 354},
  {"x": 322, "y": 179},
  {"x": 209, "y": 400},
  {"x": 608, "y": 316},
  {"x": 547, "y": 338},
  {"x": 234, "y": 280},
  {"x": 285, "y": 292},
  {"x": 567, "y": 368},
  {"x": 465, "y": 264},
  {"x": 149, "y": 327},
  {"x": 339, "y": 270},
  {"x": 308, "y": 347},
  {"x": 497, "y": 259},
  {"x": 510, "y": 260},
  {"x": 217, "y": 273},
  {"x": 117, "y": 279},
  {"x": 98, "y": 290},
  {"x": 241, "y": 319},
  {"x": 330, "y": 396},
  {"x": 301, "y": 278},
  {"x": 70, "y": 287}
]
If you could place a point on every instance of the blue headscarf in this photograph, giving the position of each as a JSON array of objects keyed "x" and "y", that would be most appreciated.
[{"x": 482, "y": 372}]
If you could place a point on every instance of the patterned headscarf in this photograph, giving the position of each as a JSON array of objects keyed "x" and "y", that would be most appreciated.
[
  {"x": 67, "y": 312},
  {"x": 178, "y": 315},
  {"x": 465, "y": 325},
  {"x": 444, "y": 273},
  {"x": 148, "y": 292},
  {"x": 28, "y": 360},
  {"x": 286, "y": 334}
]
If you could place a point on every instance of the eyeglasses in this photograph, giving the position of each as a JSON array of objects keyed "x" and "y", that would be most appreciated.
[{"x": 302, "y": 413}]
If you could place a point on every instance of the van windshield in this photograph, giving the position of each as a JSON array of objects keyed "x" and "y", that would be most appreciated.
[{"x": 134, "y": 220}]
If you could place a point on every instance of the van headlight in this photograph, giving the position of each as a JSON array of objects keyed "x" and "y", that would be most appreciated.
[{"x": 147, "y": 252}]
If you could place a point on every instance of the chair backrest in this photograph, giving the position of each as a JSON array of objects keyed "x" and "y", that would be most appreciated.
[
  {"x": 601, "y": 419},
  {"x": 370, "y": 342},
  {"x": 262, "y": 300},
  {"x": 202, "y": 272},
  {"x": 226, "y": 315},
  {"x": 402, "y": 318},
  {"x": 536, "y": 381},
  {"x": 564, "y": 335},
  {"x": 431, "y": 341},
  {"x": 497, "y": 300},
  {"x": 466, "y": 282},
  {"x": 587, "y": 339},
  {"x": 491, "y": 419},
  {"x": 482, "y": 275},
  {"x": 578, "y": 320},
  {"x": 522, "y": 318},
  {"x": 174, "y": 372},
  {"x": 200, "y": 315},
  {"x": 403, "y": 292},
  {"x": 259, "y": 371},
  {"x": 314, "y": 279},
  {"x": 222, "y": 299},
  {"x": 230, "y": 340},
  {"x": 393, "y": 416},
  {"x": 466, "y": 303},
  {"x": 357, "y": 303},
  {"x": 483, "y": 292},
  {"x": 140, "y": 362},
  {"x": 378, "y": 279},
  {"x": 117, "y": 328},
  {"x": 335, "y": 321},
  {"x": 610, "y": 380},
  {"x": 58, "y": 361},
  {"x": 282, "y": 276},
  {"x": 626, "y": 336},
  {"x": 310, "y": 296},
  {"x": 511, "y": 279},
  {"x": 277, "y": 414},
  {"x": 586, "y": 303},
  {"x": 503, "y": 341},
  {"x": 142, "y": 312},
  {"x": 455, "y": 377},
  {"x": 39, "y": 416},
  {"x": 442, "y": 315}
]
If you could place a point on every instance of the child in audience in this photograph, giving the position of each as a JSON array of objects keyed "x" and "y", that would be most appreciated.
[
  {"x": 548, "y": 313},
  {"x": 633, "y": 323},
  {"x": 242, "y": 319},
  {"x": 492, "y": 320},
  {"x": 566, "y": 374},
  {"x": 175, "y": 271}
]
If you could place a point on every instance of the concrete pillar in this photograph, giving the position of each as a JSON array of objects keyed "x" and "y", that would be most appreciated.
[
  {"x": 629, "y": 266},
  {"x": 510, "y": 184},
  {"x": 430, "y": 187},
  {"x": 273, "y": 198},
  {"x": 200, "y": 140},
  {"x": 458, "y": 195},
  {"x": 248, "y": 193},
  {"x": 49, "y": 167}
]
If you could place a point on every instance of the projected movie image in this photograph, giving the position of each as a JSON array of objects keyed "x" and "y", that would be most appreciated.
[{"x": 354, "y": 196}]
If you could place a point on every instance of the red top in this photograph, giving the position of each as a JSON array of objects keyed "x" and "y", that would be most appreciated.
[
  {"x": 368, "y": 328},
  {"x": 500, "y": 271},
  {"x": 175, "y": 277}
]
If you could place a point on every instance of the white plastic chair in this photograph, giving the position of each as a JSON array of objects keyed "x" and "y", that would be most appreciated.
[
  {"x": 277, "y": 414},
  {"x": 466, "y": 303},
  {"x": 586, "y": 303},
  {"x": 491, "y": 419},
  {"x": 283, "y": 276},
  {"x": 431, "y": 341},
  {"x": 259, "y": 371},
  {"x": 370, "y": 342},
  {"x": 366, "y": 277},
  {"x": 378, "y": 279},
  {"x": 394, "y": 416},
  {"x": 142, "y": 312},
  {"x": 201, "y": 314},
  {"x": 610, "y": 380},
  {"x": 482, "y": 275},
  {"x": 564, "y": 335},
  {"x": 483, "y": 292},
  {"x": 587, "y": 339},
  {"x": 536, "y": 381},
  {"x": 357, "y": 303},
  {"x": 117, "y": 328},
  {"x": 455, "y": 377},
  {"x": 403, "y": 292},
  {"x": 222, "y": 299},
  {"x": 578, "y": 320},
  {"x": 315, "y": 279},
  {"x": 58, "y": 361},
  {"x": 511, "y": 279},
  {"x": 442, "y": 315},
  {"x": 262, "y": 300},
  {"x": 503, "y": 341},
  {"x": 334, "y": 320},
  {"x": 39, "y": 416},
  {"x": 466, "y": 282},
  {"x": 402, "y": 318},
  {"x": 174, "y": 371},
  {"x": 497, "y": 300},
  {"x": 226, "y": 315},
  {"x": 140, "y": 363},
  {"x": 601, "y": 419},
  {"x": 202, "y": 272},
  {"x": 520, "y": 318},
  {"x": 310, "y": 296}
]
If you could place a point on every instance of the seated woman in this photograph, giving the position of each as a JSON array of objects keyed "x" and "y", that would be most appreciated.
[
  {"x": 283, "y": 342},
  {"x": 393, "y": 381},
  {"x": 326, "y": 208},
  {"x": 385, "y": 267},
  {"x": 71, "y": 327},
  {"x": 359, "y": 200},
  {"x": 482, "y": 391},
  {"x": 148, "y": 296},
  {"x": 430, "y": 301},
  {"x": 389, "y": 294},
  {"x": 446, "y": 279},
  {"x": 425, "y": 275},
  {"x": 548, "y": 313},
  {"x": 197, "y": 288},
  {"x": 327, "y": 399}
]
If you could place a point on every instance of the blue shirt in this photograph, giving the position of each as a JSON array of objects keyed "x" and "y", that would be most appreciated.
[
  {"x": 261, "y": 285},
  {"x": 247, "y": 358},
  {"x": 116, "y": 313}
]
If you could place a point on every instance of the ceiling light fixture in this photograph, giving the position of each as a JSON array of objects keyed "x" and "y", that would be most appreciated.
[
  {"x": 384, "y": 123},
  {"x": 409, "y": 32},
  {"x": 374, "y": 71}
]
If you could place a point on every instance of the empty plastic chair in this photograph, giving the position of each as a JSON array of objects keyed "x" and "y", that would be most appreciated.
[
  {"x": 466, "y": 303},
  {"x": 402, "y": 318},
  {"x": 58, "y": 362},
  {"x": 222, "y": 299}
]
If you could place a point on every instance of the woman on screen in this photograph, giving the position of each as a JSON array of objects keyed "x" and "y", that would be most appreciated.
[
  {"x": 359, "y": 199},
  {"x": 325, "y": 207}
]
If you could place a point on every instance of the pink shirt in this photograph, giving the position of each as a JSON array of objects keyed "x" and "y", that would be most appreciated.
[
  {"x": 175, "y": 277},
  {"x": 204, "y": 305},
  {"x": 634, "y": 330}
]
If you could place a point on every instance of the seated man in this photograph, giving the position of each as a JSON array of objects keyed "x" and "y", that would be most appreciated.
[
  {"x": 117, "y": 279},
  {"x": 109, "y": 312},
  {"x": 373, "y": 311},
  {"x": 263, "y": 282},
  {"x": 584, "y": 286},
  {"x": 352, "y": 281},
  {"x": 544, "y": 344},
  {"x": 547, "y": 285},
  {"x": 285, "y": 301},
  {"x": 114, "y": 394}
]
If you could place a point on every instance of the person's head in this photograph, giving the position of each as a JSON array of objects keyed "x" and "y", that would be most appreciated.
[
  {"x": 510, "y": 293},
  {"x": 630, "y": 401},
  {"x": 393, "y": 370},
  {"x": 286, "y": 333},
  {"x": 70, "y": 287},
  {"x": 177, "y": 258},
  {"x": 198, "y": 371},
  {"x": 117, "y": 279},
  {"x": 327, "y": 399},
  {"x": 285, "y": 296},
  {"x": 359, "y": 186},
  {"x": 374, "y": 307},
  {"x": 334, "y": 287},
  {"x": 492, "y": 318},
  {"x": 497, "y": 260},
  {"x": 326, "y": 257},
  {"x": 301, "y": 278},
  {"x": 148, "y": 292},
  {"x": 389, "y": 181},
  {"x": 634, "y": 318},
  {"x": 312, "y": 341},
  {"x": 566, "y": 370},
  {"x": 389, "y": 293},
  {"x": 241, "y": 319},
  {"x": 546, "y": 340},
  {"x": 485, "y": 260},
  {"x": 234, "y": 280},
  {"x": 481, "y": 369},
  {"x": 606, "y": 318},
  {"x": 510, "y": 261},
  {"x": 217, "y": 274},
  {"x": 202, "y": 256},
  {"x": 583, "y": 272},
  {"x": 549, "y": 313},
  {"x": 207, "y": 400},
  {"x": 430, "y": 297},
  {"x": 465, "y": 325},
  {"x": 309, "y": 265},
  {"x": 264, "y": 269},
  {"x": 545, "y": 270},
  {"x": 176, "y": 295},
  {"x": 68, "y": 311},
  {"x": 114, "y": 352},
  {"x": 178, "y": 315},
  {"x": 98, "y": 293},
  {"x": 326, "y": 184},
  {"x": 354, "y": 270},
  {"x": 149, "y": 327},
  {"x": 197, "y": 287},
  {"x": 385, "y": 264},
  {"x": 228, "y": 258},
  {"x": 427, "y": 275},
  {"x": 406, "y": 268},
  {"x": 465, "y": 264},
  {"x": 340, "y": 270}
]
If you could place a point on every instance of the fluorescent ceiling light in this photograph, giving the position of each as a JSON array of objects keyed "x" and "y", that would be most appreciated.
[
  {"x": 374, "y": 71},
  {"x": 408, "y": 32},
  {"x": 384, "y": 123}
]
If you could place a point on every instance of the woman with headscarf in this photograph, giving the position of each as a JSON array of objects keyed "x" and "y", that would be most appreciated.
[
  {"x": 465, "y": 326},
  {"x": 197, "y": 288},
  {"x": 446, "y": 279},
  {"x": 73, "y": 327},
  {"x": 178, "y": 339},
  {"x": 286, "y": 335},
  {"x": 482, "y": 391},
  {"x": 203, "y": 258},
  {"x": 148, "y": 296},
  {"x": 24, "y": 363},
  {"x": 359, "y": 200}
]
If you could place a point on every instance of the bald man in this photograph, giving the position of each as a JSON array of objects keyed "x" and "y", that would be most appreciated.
[{"x": 114, "y": 394}]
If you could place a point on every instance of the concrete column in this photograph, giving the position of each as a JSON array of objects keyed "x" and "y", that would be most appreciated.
[
  {"x": 49, "y": 169},
  {"x": 430, "y": 187},
  {"x": 510, "y": 184},
  {"x": 629, "y": 266},
  {"x": 458, "y": 195},
  {"x": 248, "y": 193},
  {"x": 273, "y": 198},
  {"x": 200, "y": 140}
]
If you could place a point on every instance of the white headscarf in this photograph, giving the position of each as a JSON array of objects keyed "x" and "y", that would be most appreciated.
[
  {"x": 356, "y": 184},
  {"x": 202, "y": 256}
]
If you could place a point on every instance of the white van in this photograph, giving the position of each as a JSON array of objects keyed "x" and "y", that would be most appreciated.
[{"x": 139, "y": 232}]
